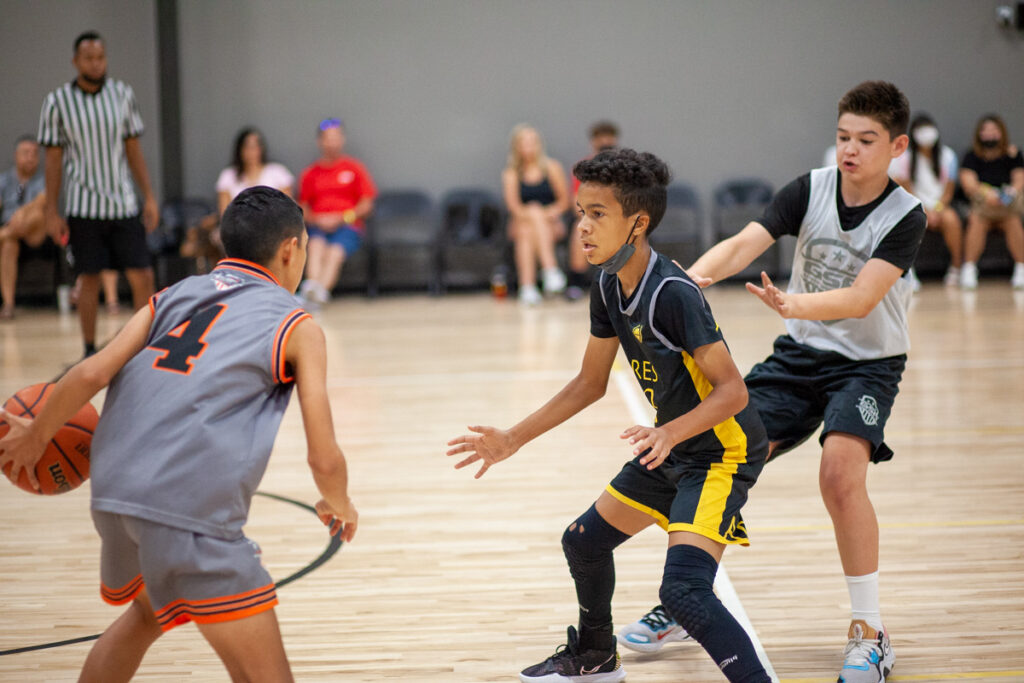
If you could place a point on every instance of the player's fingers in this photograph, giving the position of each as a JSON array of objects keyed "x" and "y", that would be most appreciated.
[
  {"x": 480, "y": 429},
  {"x": 754, "y": 289},
  {"x": 468, "y": 461},
  {"x": 30, "y": 472},
  {"x": 480, "y": 472},
  {"x": 462, "y": 448},
  {"x": 765, "y": 280},
  {"x": 348, "y": 531},
  {"x": 657, "y": 458},
  {"x": 11, "y": 418}
]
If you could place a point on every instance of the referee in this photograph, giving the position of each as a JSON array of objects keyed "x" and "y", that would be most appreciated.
[{"x": 90, "y": 128}]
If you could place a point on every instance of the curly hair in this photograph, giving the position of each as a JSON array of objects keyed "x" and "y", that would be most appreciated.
[{"x": 638, "y": 180}]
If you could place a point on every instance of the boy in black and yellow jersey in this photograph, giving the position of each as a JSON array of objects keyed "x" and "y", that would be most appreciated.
[{"x": 691, "y": 471}]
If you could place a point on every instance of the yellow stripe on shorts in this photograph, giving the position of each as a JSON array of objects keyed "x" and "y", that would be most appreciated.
[{"x": 718, "y": 483}]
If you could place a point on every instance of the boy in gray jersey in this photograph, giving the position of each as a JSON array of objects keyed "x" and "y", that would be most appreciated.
[
  {"x": 198, "y": 383},
  {"x": 846, "y": 318}
]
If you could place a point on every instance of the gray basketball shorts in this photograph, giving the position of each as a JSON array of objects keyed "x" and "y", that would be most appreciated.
[{"x": 188, "y": 576}]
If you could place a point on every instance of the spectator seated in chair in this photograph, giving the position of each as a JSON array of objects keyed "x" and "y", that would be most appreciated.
[
  {"x": 537, "y": 195},
  {"x": 22, "y": 193},
  {"x": 992, "y": 176}
]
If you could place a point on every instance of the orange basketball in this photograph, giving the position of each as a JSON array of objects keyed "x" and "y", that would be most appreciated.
[{"x": 65, "y": 462}]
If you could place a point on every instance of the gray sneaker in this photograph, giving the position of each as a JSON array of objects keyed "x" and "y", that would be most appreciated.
[
  {"x": 868, "y": 657},
  {"x": 651, "y": 631}
]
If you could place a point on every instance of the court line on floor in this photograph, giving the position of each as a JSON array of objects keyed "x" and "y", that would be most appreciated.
[
  {"x": 966, "y": 675},
  {"x": 899, "y": 525},
  {"x": 639, "y": 412},
  {"x": 327, "y": 554}
]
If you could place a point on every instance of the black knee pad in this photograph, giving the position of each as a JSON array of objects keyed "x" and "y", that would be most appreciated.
[
  {"x": 590, "y": 539},
  {"x": 685, "y": 602}
]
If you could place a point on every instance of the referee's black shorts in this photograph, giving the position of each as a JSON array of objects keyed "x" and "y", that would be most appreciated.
[{"x": 101, "y": 243}]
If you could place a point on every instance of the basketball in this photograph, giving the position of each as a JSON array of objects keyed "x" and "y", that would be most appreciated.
[{"x": 65, "y": 462}]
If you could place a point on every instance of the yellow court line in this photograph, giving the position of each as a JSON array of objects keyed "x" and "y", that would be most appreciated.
[
  {"x": 896, "y": 525},
  {"x": 992, "y": 430},
  {"x": 967, "y": 675}
]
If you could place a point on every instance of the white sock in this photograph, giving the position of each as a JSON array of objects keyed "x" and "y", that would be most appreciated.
[{"x": 864, "y": 599}]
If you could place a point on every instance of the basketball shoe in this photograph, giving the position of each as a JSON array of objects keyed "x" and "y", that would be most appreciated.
[
  {"x": 868, "y": 657},
  {"x": 968, "y": 276},
  {"x": 652, "y": 631},
  {"x": 554, "y": 281},
  {"x": 572, "y": 665}
]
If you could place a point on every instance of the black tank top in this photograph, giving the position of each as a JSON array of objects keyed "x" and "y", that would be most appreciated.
[{"x": 540, "y": 192}]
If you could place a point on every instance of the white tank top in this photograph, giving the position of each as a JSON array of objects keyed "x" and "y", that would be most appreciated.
[{"x": 828, "y": 257}]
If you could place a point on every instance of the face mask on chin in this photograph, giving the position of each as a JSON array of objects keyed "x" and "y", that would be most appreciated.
[
  {"x": 926, "y": 136},
  {"x": 622, "y": 256},
  {"x": 990, "y": 144}
]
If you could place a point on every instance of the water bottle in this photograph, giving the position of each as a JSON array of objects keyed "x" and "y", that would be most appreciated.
[{"x": 499, "y": 283}]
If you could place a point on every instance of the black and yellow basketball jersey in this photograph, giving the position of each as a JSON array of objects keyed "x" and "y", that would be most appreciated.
[{"x": 659, "y": 327}]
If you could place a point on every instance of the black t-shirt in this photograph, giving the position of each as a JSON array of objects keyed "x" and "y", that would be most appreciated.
[
  {"x": 997, "y": 172},
  {"x": 786, "y": 213}
]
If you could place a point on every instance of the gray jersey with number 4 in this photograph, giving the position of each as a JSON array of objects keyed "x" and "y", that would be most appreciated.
[{"x": 189, "y": 422}]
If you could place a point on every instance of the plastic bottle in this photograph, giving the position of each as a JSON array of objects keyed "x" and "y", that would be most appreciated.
[{"x": 499, "y": 283}]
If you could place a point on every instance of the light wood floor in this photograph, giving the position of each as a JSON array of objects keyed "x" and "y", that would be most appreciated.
[{"x": 452, "y": 579}]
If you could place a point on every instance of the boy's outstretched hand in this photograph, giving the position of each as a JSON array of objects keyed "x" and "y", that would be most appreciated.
[
  {"x": 344, "y": 521},
  {"x": 772, "y": 296},
  {"x": 489, "y": 445}
]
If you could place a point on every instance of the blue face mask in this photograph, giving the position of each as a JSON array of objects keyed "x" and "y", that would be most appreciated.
[{"x": 622, "y": 256}]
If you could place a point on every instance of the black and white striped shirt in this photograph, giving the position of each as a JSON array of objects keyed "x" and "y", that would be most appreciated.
[{"x": 92, "y": 128}]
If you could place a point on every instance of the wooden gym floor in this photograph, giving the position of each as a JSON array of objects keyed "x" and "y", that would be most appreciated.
[{"x": 456, "y": 580}]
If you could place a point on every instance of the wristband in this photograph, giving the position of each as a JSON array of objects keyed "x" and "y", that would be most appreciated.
[{"x": 349, "y": 216}]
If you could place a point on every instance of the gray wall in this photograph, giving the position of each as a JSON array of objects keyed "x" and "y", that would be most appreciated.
[
  {"x": 36, "y": 40},
  {"x": 430, "y": 89}
]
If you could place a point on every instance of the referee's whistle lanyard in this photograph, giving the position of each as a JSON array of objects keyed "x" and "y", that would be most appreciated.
[{"x": 619, "y": 258}]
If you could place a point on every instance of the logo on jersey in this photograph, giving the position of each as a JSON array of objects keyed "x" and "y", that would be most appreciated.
[
  {"x": 868, "y": 408},
  {"x": 830, "y": 264},
  {"x": 346, "y": 177},
  {"x": 638, "y": 332},
  {"x": 224, "y": 280}
]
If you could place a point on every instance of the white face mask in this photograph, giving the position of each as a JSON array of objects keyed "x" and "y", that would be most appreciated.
[{"x": 926, "y": 136}]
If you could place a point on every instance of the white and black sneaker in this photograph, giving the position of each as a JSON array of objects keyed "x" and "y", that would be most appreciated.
[
  {"x": 572, "y": 665},
  {"x": 651, "y": 631}
]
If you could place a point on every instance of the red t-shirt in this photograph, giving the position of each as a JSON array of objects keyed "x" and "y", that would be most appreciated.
[{"x": 336, "y": 188}]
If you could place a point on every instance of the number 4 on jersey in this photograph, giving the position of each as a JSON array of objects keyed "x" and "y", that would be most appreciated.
[{"x": 184, "y": 343}]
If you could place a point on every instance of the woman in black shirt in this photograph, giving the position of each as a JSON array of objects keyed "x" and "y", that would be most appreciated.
[{"x": 992, "y": 176}]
